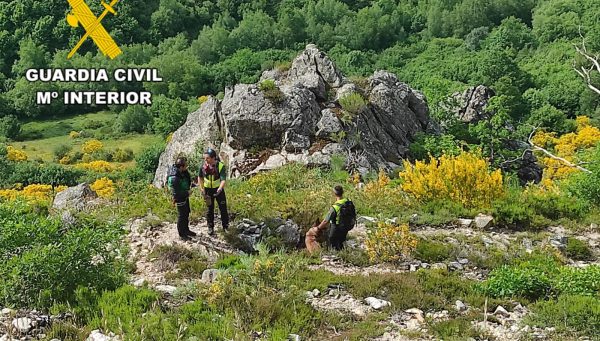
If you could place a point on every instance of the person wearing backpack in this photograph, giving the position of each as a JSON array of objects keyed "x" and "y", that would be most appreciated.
[
  {"x": 212, "y": 179},
  {"x": 341, "y": 218},
  {"x": 180, "y": 183}
]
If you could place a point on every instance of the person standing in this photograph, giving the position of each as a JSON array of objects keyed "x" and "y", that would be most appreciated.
[
  {"x": 341, "y": 218},
  {"x": 180, "y": 182},
  {"x": 212, "y": 179}
]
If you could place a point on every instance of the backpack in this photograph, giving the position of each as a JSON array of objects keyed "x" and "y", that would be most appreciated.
[{"x": 347, "y": 215}]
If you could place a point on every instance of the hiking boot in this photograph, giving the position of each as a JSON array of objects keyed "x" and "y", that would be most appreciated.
[
  {"x": 185, "y": 238},
  {"x": 191, "y": 234}
]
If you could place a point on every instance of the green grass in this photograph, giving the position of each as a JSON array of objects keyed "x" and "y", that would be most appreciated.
[
  {"x": 44, "y": 148},
  {"x": 37, "y": 130},
  {"x": 39, "y": 138}
]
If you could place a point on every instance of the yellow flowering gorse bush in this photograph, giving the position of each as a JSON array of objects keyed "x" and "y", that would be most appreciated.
[
  {"x": 99, "y": 166},
  {"x": 465, "y": 178},
  {"x": 202, "y": 99},
  {"x": 91, "y": 146},
  {"x": 389, "y": 242},
  {"x": 566, "y": 146},
  {"x": 33, "y": 192},
  {"x": 14, "y": 154},
  {"x": 104, "y": 187}
]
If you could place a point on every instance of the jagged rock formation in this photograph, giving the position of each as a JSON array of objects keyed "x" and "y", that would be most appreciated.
[
  {"x": 470, "y": 105},
  {"x": 300, "y": 119}
]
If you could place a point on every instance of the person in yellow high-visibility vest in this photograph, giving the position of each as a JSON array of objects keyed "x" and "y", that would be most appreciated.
[
  {"x": 212, "y": 179},
  {"x": 341, "y": 218}
]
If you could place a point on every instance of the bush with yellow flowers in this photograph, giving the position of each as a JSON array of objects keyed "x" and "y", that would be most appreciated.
[
  {"x": 99, "y": 166},
  {"x": 567, "y": 146},
  {"x": 383, "y": 192},
  {"x": 14, "y": 154},
  {"x": 33, "y": 192},
  {"x": 202, "y": 99},
  {"x": 65, "y": 160},
  {"x": 92, "y": 146},
  {"x": 74, "y": 134},
  {"x": 466, "y": 179},
  {"x": 104, "y": 187},
  {"x": 389, "y": 242}
]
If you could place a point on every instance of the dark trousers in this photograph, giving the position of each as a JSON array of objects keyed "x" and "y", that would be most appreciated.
[
  {"x": 222, "y": 202},
  {"x": 337, "y": 236},
  {"x": 183, "y": 217}
]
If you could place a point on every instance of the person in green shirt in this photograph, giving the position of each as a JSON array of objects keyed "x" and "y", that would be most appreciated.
[{"x": 180, "y": 182}]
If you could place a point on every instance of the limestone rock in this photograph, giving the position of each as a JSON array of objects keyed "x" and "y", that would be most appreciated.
[
  {"x": 77, "y": 198},
  {"x": 377, "y": 303},
  {"x": 470, "y": 105},
  {"x": 23, "y": 324},
  {"x": 483, "y": 221},
  {"x": 209, "y": 275},
  {"x": 255, "y": 130}
]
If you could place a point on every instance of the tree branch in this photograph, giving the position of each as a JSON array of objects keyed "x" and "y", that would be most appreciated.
[
  {"x": 583, "y": 71},
  {"x": 552, "y": 156}
]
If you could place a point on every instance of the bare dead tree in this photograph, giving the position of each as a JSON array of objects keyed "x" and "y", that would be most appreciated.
[
  {"x": 585, "y": 70},
  {"x": 533, "y": 148},
  {"x": 566, "y": 162}
]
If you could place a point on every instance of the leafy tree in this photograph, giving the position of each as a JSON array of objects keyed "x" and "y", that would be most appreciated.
[
  {"x": 169, "y": 114},
  {"x": 135, "y": 118},
  {"x": 31, "y": 56},
  {"x": 474, "y": 39},
  {"x": 255, "y": 31},
  {"x": 212, "y": 44},
  {"x": 513, "y": 34},
  {"x": 10, "y": 127}
]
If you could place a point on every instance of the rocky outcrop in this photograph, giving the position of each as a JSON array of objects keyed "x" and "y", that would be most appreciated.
[
  {"x": 258, "y": 127},
  {"x": 251, "y": 233},
  {"x": 470, "y": 105},
  {"x": 75, "y": 199}
]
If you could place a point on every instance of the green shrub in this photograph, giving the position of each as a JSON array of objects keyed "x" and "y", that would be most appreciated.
[
  {"x": 271, "y": 91},
  {"x": 432, "y": 251},
  {"x": 569, "y": 314},
  {"x": 353, "y": 103},
  {"x": 66, "y": 332},
  {"x": 356, "y": 256},
  {"x": 93, "y": 124},
  {"x": 61, "y": 151},
  {"x": 122, "y": 155},
  {"x": 555, "y": 206},
  {"x": 28, "y": 173},
  {"x": 578, "y": 281},
  {"x": 578, "y": 250},
  {"x": 148, "y": 159},
  {"x": 517, "y": 282},
  {"x": 267, "y": 85},
  {"x": 587, "y": 185},
  {"x": 41, "y": 262},
  {"x": 135, "y": 118},
  {"x": 10, "y": 127},
  {"x": 454, "y": 328},
  {"x": 511, "y": 212}
]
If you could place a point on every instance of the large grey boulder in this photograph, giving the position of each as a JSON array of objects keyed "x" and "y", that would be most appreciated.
[
  {"x": 75, "y": 199},
  {"x": 201, "y": 129},
  {"x": 251, "y": 233},
  {"x": 470, "y": 106},
  {"x": 302, "y": 121}
]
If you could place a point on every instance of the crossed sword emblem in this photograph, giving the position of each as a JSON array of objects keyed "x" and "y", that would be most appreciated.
[{"x": 82, "y": 14}]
